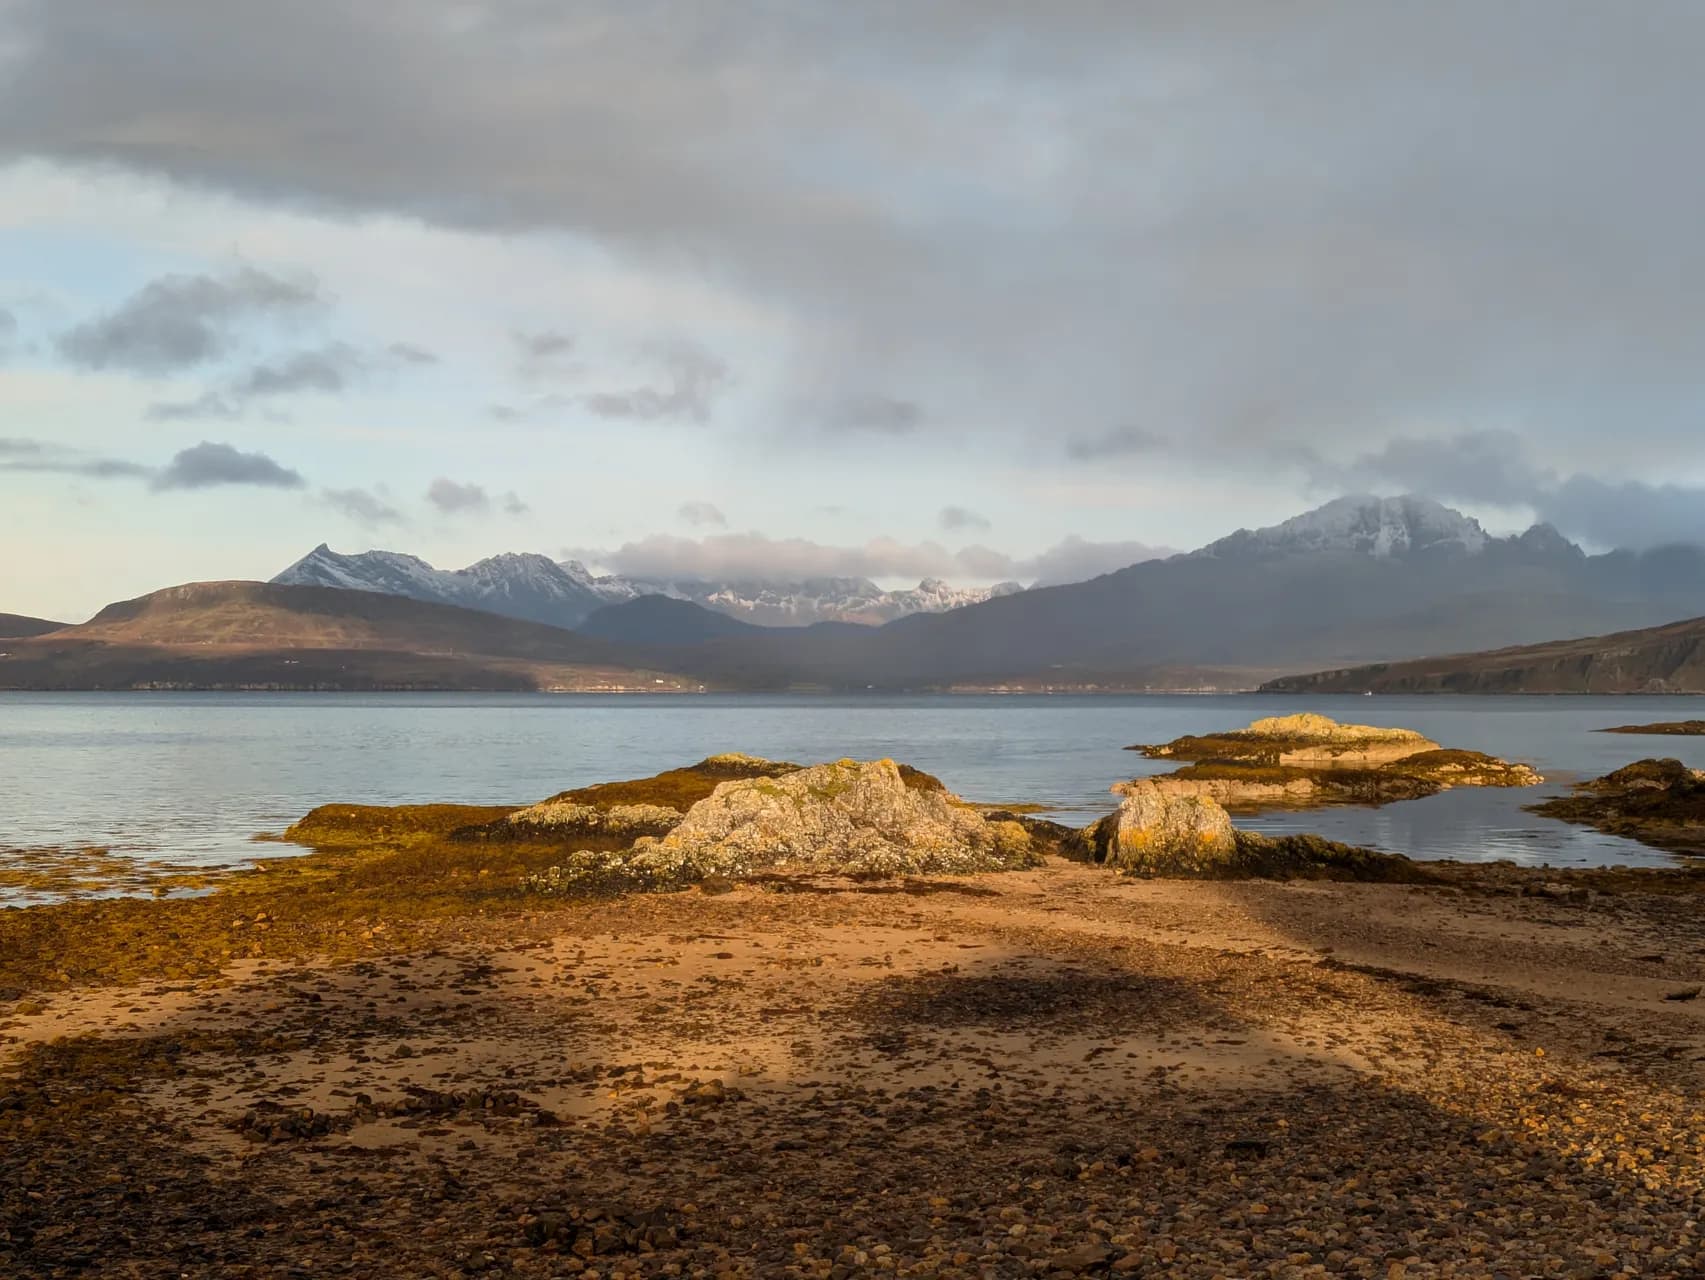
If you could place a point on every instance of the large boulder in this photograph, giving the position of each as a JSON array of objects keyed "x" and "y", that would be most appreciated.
[
  {"x": 1157, "y": 832},
  {"x": 849, "y": 817}
]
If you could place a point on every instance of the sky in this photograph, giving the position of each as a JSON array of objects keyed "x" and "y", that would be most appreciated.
[{"x": 976, "y": 291}]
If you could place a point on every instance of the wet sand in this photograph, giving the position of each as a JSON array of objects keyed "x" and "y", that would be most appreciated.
[{"x": 1053, "y": 1072}]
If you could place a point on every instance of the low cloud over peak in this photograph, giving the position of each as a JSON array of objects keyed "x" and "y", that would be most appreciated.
[{"x": 756, "y": 557}]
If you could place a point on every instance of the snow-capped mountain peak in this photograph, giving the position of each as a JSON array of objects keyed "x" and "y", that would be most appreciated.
[{"x": 1363, "y": 525}]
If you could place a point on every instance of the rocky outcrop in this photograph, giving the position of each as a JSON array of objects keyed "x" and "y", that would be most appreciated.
[
  {"x": 1301, "y": 740},
  {"x": 1666, "y": 728},
  {"x": 1657, "y": 802},
  {"x": 849, "y": 817},
  {"x": 618, "y": 813},
  {"x": 1156, "y": 832},
  {"x": 1306, "y": 760}
]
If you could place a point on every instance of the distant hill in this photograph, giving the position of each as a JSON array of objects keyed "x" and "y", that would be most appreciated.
[
  {"x": 658, "y": 620},
  {"x": 16, "y": 626},
  {"x": 1666, "y": 659},
  {"x": 252, "y": 634}
]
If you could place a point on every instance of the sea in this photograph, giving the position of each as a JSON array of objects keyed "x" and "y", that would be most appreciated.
[{"x": 192, "y": 778}]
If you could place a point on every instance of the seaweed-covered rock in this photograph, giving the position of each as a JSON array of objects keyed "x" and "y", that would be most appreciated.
[
  {"x": 849, "y": 817},
  {"x": 1657, "y": 802}
]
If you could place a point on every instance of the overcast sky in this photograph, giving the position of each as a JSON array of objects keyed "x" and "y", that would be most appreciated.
[{"x": 975, "y": 290}]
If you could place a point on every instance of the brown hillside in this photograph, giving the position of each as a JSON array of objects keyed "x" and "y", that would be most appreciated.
[
  {"x": 1666, "y": 659},
  {"x": 252, "y": 634}
]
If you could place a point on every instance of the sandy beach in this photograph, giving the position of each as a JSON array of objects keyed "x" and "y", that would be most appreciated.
[{"x": 1037, "y": 1073}]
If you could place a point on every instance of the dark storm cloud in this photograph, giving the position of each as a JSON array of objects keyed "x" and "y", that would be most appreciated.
[
  {"x": 180, "y": 321},
  {"x": 1318, "y": 223},
  {"x": 691, "y": 380},
  {"x": 363, "y": 506},
  {"x": 209, "y": 465}
]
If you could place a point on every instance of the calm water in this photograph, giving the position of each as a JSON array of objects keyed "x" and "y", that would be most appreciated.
[{"x": 191, "y": 777}]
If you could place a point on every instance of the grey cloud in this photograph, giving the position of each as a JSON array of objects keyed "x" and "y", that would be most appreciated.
[
  {"x": 327, "y": 370},
  {"x": 953, "y": 519},
  {"x": 545, "y": 354},
  {"x": 180, "y": 321},
  {"x": 330, "y": 369},
  {"x": 363, "y": 506},
  {"x": 885, "y": 415},
  {"x": 209, "y": 465},
  {"x": 456, "y": 499},
  {"x": 1321, "y": 225},
  {"x": 43, "y": 457},
  {"x": 693, "y": 377},
  {"x": 1121, "y": 442},
  {"x": 453, "y": 498},
  {"x": 409, "y": 353},
  {"x": 702, "y": 513},
  {"x": 755, "y": 556}
]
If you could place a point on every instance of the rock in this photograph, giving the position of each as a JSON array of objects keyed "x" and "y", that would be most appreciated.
[
  {"x": 1305, "y": 739},
  {"x": 1157, "y": 833},
  {"x": 1658, "y": 802},
  {"x": 848, "y": 817},
  {"x": 1686, "y": 993},
  {"x": 1085, "y": 1257},
  {"x": 554, "y": 819}
]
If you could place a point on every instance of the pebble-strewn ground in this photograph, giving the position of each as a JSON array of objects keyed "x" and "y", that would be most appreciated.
[{"x": 1048, "y": 1073}]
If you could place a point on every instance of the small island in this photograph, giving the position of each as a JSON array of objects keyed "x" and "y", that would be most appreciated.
[
  {"x": 1307, "y": 761},
  {"x": 1671, "y": 728}
]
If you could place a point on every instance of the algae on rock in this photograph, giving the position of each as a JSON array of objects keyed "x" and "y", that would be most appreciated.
[{"x": 848, "y": 817}]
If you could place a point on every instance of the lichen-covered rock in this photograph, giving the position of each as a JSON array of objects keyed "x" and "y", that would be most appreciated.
[
  {"x": 556, "y": 819},
  {"x": 1158, "y": 833},
  {"x": 849, "y": 817}
]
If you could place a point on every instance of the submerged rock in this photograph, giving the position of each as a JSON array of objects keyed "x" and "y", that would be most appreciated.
[
  {"x": 849, "y": 817},
  {"x": 1657, "y": 802}
]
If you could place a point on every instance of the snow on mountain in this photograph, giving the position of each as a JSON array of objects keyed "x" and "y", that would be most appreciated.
[
  {"x": 532, "y": 587},
  {"x": 1362, "y": 525},
  {"x": 542, "y": 590}
]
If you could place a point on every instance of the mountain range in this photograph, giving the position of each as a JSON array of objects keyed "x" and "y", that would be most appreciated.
[
  {"x": 1360, "y": 580},
  {"x": 248, "y": 635},
  {"x": 565, "y": 593}
]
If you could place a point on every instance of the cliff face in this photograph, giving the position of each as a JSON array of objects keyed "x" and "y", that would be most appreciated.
[{"x": 1666, "y": 659}]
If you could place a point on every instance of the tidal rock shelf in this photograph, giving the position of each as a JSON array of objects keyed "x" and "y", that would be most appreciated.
[
  {"x": 1307, "y": 761},
  {"x": 1657, "y": 802}
]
